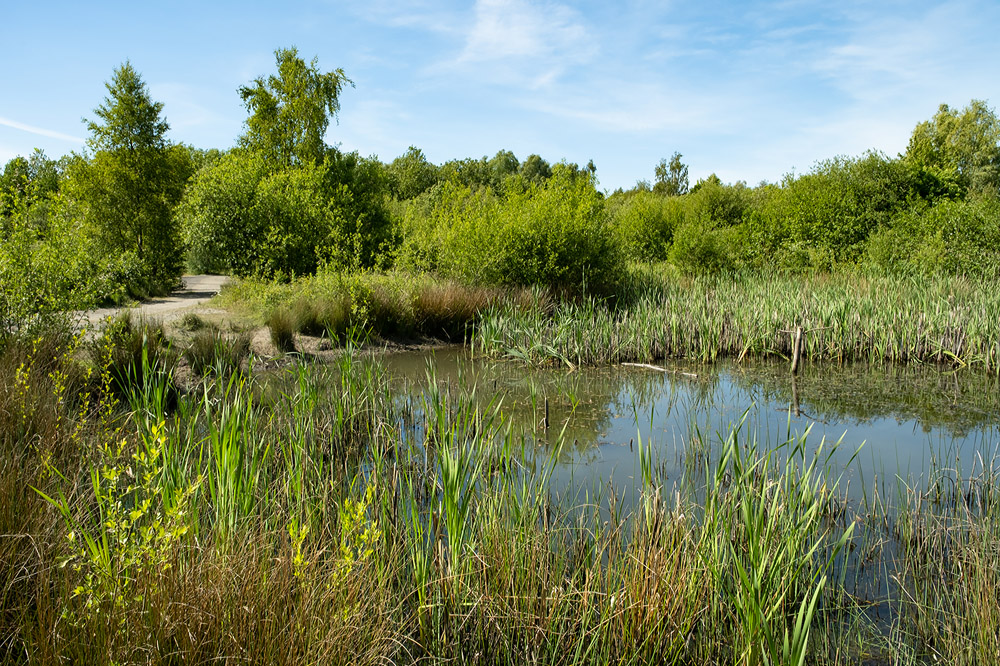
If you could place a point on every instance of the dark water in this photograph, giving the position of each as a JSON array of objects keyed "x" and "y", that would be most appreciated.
[{"x": 900, "y": 422}]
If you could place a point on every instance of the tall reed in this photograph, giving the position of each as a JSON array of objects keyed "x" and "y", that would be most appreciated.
[{"x": 847, "y": 317}]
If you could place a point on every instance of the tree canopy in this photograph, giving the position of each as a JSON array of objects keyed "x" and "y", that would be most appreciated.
[
  {"x": 290, "y": 111},
  {"x": 132, "y": 182},
  {"x": 961, "y": 144},
  {"x": 672, "y": 177}
]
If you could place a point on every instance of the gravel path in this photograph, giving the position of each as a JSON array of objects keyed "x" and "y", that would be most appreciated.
[{"x": 196, "y": 289}]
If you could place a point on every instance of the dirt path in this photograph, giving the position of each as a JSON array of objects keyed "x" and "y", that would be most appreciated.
[{"x": 196, "y": 289}]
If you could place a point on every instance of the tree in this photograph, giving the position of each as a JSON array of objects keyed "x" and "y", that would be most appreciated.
[
  {"x": 672, "y": 177},
  {"x": 412, "y": 173},
  {"x": 964, "y": 145},
  {"x": 132, "y": 182},
  {"x": 290, "y": 111},
  {"x": 535, "y": 170},
  {"x": 502, "y": 165}
]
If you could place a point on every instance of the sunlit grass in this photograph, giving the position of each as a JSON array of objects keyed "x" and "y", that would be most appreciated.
[{"x": 316, "y": 516}]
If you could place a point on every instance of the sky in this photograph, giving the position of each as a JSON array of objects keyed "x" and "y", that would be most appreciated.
[{"x": 750, "y": 91}]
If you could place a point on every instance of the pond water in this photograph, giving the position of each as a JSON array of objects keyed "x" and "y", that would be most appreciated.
[{"x": 899, "y": 422}]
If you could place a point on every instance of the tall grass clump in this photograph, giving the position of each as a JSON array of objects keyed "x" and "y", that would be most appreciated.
[
  {"x": 129, "y": 348},
  {"x": 341, "y": 305},
  {"x": 950, "y": 540},
  {"x": 212, "y": 351},
  {"x": 281, "y": 323}
]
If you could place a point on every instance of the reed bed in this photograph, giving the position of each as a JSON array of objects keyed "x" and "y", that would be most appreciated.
[
  {"x": 344, "y": 306},
  {"x": 846, "y": 318},
  {"x": 315, "y": 516}
]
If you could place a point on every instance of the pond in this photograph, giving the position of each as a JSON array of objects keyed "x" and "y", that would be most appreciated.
[{"x": 894, "y": 422}]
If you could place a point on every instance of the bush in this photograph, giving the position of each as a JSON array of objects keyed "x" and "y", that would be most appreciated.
[
  {"x": 700, "y": 248},
  {"x": 244, "y": 217},
  {"x": 554, "y": 234},
  {"x": 644, "y": 224},
  {"x": 47, "y": 262},
  {"x": 952, "y": 237},
  {"x": 835, "y": 207}
]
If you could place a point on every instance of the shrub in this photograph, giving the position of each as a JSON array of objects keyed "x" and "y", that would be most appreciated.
[
  {"x": 644, "y": 224},
  {"x": 701, "y": 248},
  {"x": 952, "y": 237},
  {"x": 243, "y": 216},
  {"x": 554, "y": 234},
  {"x": 281, "y": 322},
  {"x": 836, "y": 206}
]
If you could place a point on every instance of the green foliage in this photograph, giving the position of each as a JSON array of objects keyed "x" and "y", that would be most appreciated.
[
  {"x": 671, "y": 177},
  {"x": 554, "y": 234},
  {"x": 834, "y": 208},
  {"x": 290, "y": 111},
  {"x": 47, "y": 263},
  {"x": 243, "y": 218},
  {"x": 220, "y": 222},
  {"x": 360, "y": 188},
  {"x": 34, "y": 178},
  {"x": 952, "y": 237},
  {"x": 700, "y": 247},
  {"x": 282, "y": 325},
  {"x": 535, "y": 170},
  {"x": 300, "y": 221},
  {"x": 412, "y": 174},
  {"x": 129, "y": 188},
  {"x": 962, "y": 146},
  {"x": 645, "y": 223},
  {"x": 132, "y": 353},
  {"x": 213, "y": 352},
  {"x": 136, "y": 528}
]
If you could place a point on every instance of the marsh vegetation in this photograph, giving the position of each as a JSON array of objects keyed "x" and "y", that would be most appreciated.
[{"x": 169, "y": 495}]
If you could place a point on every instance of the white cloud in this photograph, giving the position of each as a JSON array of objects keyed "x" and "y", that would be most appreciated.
[
  {"x": 901, "y": 58},
  {"x": 524, "y": 44},
  {"x": 517, "y": 29},
  {"x": 636, "y": 107},
  {"x": 41, "y": 131},
  {"x": 418, "y": 14}
]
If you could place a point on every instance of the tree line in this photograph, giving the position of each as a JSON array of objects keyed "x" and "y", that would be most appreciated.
[{"x": 126, "y": 216}]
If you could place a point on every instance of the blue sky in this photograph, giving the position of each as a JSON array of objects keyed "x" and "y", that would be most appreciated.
[{"x": 748, "y": 90}]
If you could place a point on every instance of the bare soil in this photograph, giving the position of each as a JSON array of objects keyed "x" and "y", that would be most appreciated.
[{"x": 193, "y": 299}]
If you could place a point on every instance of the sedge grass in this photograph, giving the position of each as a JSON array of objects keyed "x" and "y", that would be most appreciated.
[
  {"x": 847, "y": 318},
  {"x": 327, "y": 520}
]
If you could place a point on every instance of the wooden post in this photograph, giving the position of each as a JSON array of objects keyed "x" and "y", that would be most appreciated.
[
  {"x": 795, "y": 398},
  {"x": 796, "y": 349}
]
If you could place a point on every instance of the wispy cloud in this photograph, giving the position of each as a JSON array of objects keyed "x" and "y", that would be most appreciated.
[
  {"x": 523, "y": 43},
  {"x": 41, "y": 131},
  {"x": 517, "y": 29},
  {"x": 431, "y": 16},
  {"x": 903, "y": 57},
  {"x": 634, "y": 107}
]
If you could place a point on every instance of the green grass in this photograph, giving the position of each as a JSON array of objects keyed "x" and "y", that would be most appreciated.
[
  {"x": 656, "y": 314},
  {"x": 394, "y": 305},
  {"x": 847, "y": 318},
  {"x": 315, "y": 516}
]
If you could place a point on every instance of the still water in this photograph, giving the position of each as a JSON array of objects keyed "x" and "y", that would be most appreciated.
[{"x": 891, "y": 424}]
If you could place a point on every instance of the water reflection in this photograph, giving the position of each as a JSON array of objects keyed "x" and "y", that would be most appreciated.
[{"x": 907, "y": 419}]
